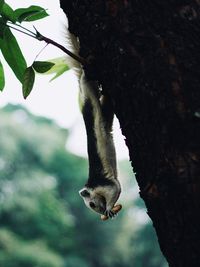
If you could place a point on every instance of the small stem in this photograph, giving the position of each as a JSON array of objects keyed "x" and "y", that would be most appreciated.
[
  {"x": 34, "y": 36},
  {"x": 40, "y": 52},
  {"x": 20, "y": 26}
]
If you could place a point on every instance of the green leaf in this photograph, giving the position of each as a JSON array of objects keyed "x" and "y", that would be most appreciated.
[
  {"x": 2, "y": 78},
  {"x": 42, "y": 66},
  {"x": 59, "y": 67},
  {"x": 60, "y": 71},
  {"x": 8, "y": 13},
  {"x": 2, "y": 26},
  {"x": 28, "y": 81},
  {"x": 12, "y": 54},
  {"x": 30, "y": 13},
  {"x": 1, "y": 4}
]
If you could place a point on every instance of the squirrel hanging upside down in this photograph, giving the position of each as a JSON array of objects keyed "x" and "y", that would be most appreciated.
[{"x": 102, "y": 189}]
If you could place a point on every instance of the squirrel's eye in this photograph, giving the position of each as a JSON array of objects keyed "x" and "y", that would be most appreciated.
[{"x": 92, "y": 205}]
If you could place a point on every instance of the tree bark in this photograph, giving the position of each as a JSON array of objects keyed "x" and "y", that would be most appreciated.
[{"x": 146, "y": 56}]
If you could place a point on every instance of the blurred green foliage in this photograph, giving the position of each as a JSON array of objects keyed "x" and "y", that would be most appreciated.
[{"x": 43, "y": 221}]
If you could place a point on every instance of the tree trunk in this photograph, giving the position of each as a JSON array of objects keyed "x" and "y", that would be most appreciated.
[{"x": 146, "y": 56}]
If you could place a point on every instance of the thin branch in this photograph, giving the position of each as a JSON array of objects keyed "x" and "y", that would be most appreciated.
[
  {"x": 9, "y": 26},
  {"x": 40, "y": 37}
]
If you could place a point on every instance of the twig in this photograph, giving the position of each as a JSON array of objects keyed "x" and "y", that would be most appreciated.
[
  {"x": 20, "y": 26},
  {"x": 40, "y": 37},
  {"x": 9, "y": 26}
]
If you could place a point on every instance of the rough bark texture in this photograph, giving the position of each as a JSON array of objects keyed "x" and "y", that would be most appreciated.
[{"x": 146, "y": 56}]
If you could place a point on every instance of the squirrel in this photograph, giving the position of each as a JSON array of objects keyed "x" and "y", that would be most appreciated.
[{"x": 102, "y": 189}]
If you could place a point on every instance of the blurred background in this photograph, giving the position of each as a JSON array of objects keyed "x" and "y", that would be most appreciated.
[
  {"x": 43, "y": 165},
  {"x": 44, "y": 222}
]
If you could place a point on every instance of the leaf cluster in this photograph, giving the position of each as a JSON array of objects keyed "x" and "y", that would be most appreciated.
[{"x": 11, "y": 51}]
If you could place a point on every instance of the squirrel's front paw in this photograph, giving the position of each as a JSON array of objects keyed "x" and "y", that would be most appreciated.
[{"x": 112, "y": 213}]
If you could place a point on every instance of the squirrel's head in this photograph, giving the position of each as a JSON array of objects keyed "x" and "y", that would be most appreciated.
[{"x": 101, "y": 199}]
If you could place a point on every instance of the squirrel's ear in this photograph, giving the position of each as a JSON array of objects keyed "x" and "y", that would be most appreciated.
[{"x": 84, "y": 192}]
